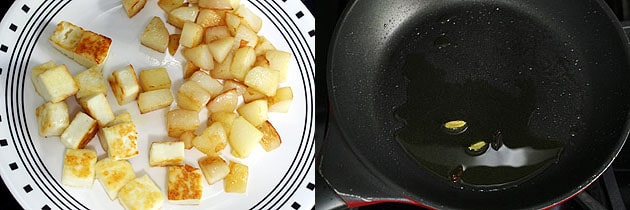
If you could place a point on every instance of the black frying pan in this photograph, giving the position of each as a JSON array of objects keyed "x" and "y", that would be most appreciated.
[{"x": 547, "y": 75}]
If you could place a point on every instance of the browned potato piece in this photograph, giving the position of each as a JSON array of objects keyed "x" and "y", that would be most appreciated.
[
  {"x": 179, "y": 121},
  {"x": 249, "y": 18},
  {"x": 132, "y": 7},
  {"x": 263, "y": 79},
  {"x": 252, "y": 95},
  {"x": 220, "y": 48},
  {"x": 255, "y": 112},
  {"x": 200, "y": 56},
  {"x": 178, "y": 16},
  {"x": 226, "y": 118},
  {"x": 271, "y": 139},
  {"x": 222, "y": 70},
  {"x": 173, "y": 43},
  {"x": 213, "y": 86},
  {"x": 192, "y": 35},
  {"x": 242, "y": 62},
  {"x": 281, "y": 102},
  {"x": 168, "y": 5},
  {"x": 236, "y": 180},
  {"x": 214, "y": 168},
  {"x": 231, "y": 84},
  {"x": 225, "y": 102},
  {"x": 187, "y": 138},
  {"x": 190, "y": 69},
  {"x": 212, "y": 140},
  {"x": 215, "y": 4},
  {"x": 155, "y": 35},
  {"x": 154, "y": 79},
  {"x": 191, "y": 96},
  {"x": 208, "y": 18},
  {"x": 244, "y": 137},
  {"x": 217, "y": 32}
]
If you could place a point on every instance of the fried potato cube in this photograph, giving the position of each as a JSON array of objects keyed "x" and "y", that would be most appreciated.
[
  {"x": 236, "y": 180},
  {"x": 222, "y": 70},
  {"x": 154, "y": 100},
  {"x": 166, "y": 153},
  {"x": 80, "y": 131},
  {"x": 178, "y": 16},
  {"x": 249, "y": 18},
  {"x": 245, "y": 36},
  {"x": 200, "y": 56},
  {"x": 41, "y": 68},
  {"x": 97, "y": 107},
  {"x": 271, "y": 139},
  {"x": 79, "y": 168},
  {"x": 261, "y": 61},
  {"x": 187, "y": 137},
  {"x": 242, "y": 62},
  {"x": 192, "y": 35},
  {"x": 216, "y": 4},
  {"x": 52, "y": 118},
  {"x": 225, "y": 118},
  {"x": 215, "y": 33},
  {"x": 225, "y": 102},
  {"x": 185, "y": 185},
  {"x": 244, "y": 137},
  {"x": 90, "y": 82},
  {"x": 121, "y": 140},
  {"x": 189, "y": 69},
  {"x": 255, "y": 112},
  {"x": 214, "y": 168},
  {"x": 155, "y": 35},
  {"x": 232, "y": 22},
  {"x": 85, "y": 47},
  {"x": 263, "y": 46},
  {"x": 173, "y": 43},
  {"x": 212, "y": 140},
  {"x": 263, "y": 79},
  {"x": 281, "y": 102},
  {"x": 141, "y": 193},
  {"x": 179, "y": 121},
  {"x": 125, "y": 85},
  {"x": 208, "y": 18},
  {"x": 56, "y": 84},
  {"x": 221, "y": 47},
  {"x": 132, "y": 7},
  {"x": 154, "y": 79},
  {"x": 191, "y": 96},
  {"x": 168, "y": 5},
  {"x": 209, "y": 84},
  {"x": 113, "y": 175},
  {"x": 279, "y": 60},
  {"x": 232, "y": 84},
  {"x": 252, "y": 95}
]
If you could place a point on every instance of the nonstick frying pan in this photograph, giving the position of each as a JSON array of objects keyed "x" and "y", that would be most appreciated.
[{"x": 536, "y": 70}]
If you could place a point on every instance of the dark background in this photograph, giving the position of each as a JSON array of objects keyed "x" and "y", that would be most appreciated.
[{"x": 6, "y": 199}]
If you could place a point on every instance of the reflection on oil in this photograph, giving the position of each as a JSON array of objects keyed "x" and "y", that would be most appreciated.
[{"x": 494, "y": 118}]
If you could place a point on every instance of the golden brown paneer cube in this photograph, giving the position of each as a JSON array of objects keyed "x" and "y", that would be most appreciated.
[{"x": 185, "y": 185}]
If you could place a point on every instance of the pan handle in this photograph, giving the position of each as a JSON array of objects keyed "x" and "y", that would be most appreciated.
[{"x": 348, "y": 178}]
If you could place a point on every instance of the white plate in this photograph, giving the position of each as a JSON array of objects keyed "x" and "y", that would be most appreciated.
[{"x": 31, "y": 165}]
